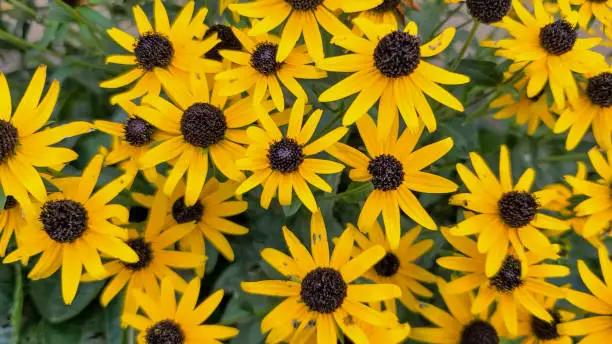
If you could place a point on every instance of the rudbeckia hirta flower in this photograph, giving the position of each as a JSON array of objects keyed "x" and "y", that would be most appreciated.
[
  {"x": 198, "y": 124},
  {"x": 210, "y": 213},
  {"x": 592, "y": 109},
  {"x": 506, "y": 214},
  {"x": 395, "y": 170},
  {"x": 600, "y": 9},
  {"x": 387, "y": 13},
  {"x": 130, "y": 140},
  {"x": 552, "y": 50},
  {"x": 319, "y": 295},
  {"x": 161, "y": 48},
  {"x": 457, "y": 325},
  {"x": 259, "y": 69},
  {"x": 513, "y": 286},
  {"x": 156, "y": 258},
  {"x": 598, "y": 207},
  {"x": 167, "y": 321},
  {"x": 488, "y": 11},
  {"x": 528, "y": 110},
  {"x": 303, "y": 17},
  {"x": 284, "y": 162},
  {"x": 535, "y": 330},
  {"x": 387, "y": 65},
  {"x": 597, "y": 328},
  {"x": 392, "y": 333},
  {"x": 11, "y": 221},
  {"x": 398, "y": 265},
  {"x": 72, "y": 228},
  {"x": 23, "y": 146}
]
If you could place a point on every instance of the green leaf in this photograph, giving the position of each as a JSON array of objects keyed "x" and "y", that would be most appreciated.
[
  {"x": 481, "y": 73},
  {"x": 94, "y": 17},
  {"x": 2, "y": 198},
  {"x": 47, "y": 297},
  {"x": 112, "y": 320},
  {"x": 292, "y": 208}
]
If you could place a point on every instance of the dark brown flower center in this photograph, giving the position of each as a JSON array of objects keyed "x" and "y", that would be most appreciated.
[
  {"x": 183, "y": 213},
  {"x": 64, "y": 220},
  {"x": 228, "y": 41},
  {"x": 203, "y": 125},
  {"x": 599, "y": 89},
  {"x": 387, "y": 172},
  {"x": 138, "y": 132},
  {"x": 304, "y": 5},
  {"x": 153, "y": 50},
  {"x": 397, "y": 54},
  {"x": 263, "y": 58},
  {"x": 144, "y": 252},
  {"x": 517, "y": 208},
  {"x": 323, "y": 290},
  {"x": 8, "y": 140},
  {"x": 488, "y": 11},
  {"x": 544, "y": 330},
  {"x": 165, "y": 332},
  {"x": 285, "y": 155},
  {"x": 479, "y": 332},
  {"x": 387, "y": 266},
  {"x": 558, "y": 38},
  {"x": 508, "y": 277}
]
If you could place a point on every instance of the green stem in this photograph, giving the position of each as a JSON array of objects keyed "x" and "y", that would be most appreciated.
[
  {"x": 17, "y": 304},
  {"x": 82, "y": 20},
  {"x": 445, "y": 20},
  {"x": 466, "y": 45},
  {"x": 349, "y": 193},
  {"x": 25, "y": 8}
]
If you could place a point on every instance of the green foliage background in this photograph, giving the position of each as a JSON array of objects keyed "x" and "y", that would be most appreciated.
[{"x": 73, "y": 44}]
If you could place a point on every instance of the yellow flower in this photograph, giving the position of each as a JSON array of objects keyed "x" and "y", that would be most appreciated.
[
  {"x": 130, "y": 140},
  {"x": 591, "y": 109},
  {"x": 197, "y": 124},
  {"x": 156, "y": 258},
  {"x": 561, "y": 203},
  {"x": 528, "y": 110},
  {"x": 397, "y": 266},
  {"x": 303, "y": 17},
  {"x": 598, "y": 207},
  {"x": 387, "y": 13},
  {"x": 319, "y": 294},
  {"x": 536, "y": 330},
  {"x": 598, "y": 328},
  {"x": 458, "y": 325},
  {"x": 172, "y": 49},
  {"x": 394, "y": 170},
  {"x": 210, "y": 213},
  {"x": 601, "y": 9},
  {"x": 24, "y": 146},
  {"x": 11, "y": 221},
  {"x": 259, "y": 69},
  {"x": 182, "y": 321},
  {"x": 513, "y": 286},
  {"x": 550, "y": 49},
  {"x": 283, "y": 162},
  {"x": 506, "y": 214},
  {"x": 72, "y": 227},
  {"x": 388, "y": 65}
]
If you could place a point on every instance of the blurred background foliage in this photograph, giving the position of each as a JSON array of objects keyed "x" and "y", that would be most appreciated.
[{"x": 73, "y": 43}]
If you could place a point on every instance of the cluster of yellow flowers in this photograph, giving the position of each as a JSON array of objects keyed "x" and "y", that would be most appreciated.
[{"x": 203, "y": 99}]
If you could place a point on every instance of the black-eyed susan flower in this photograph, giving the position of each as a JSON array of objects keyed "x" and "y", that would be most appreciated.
[
  {"x": 284, "y": 163},
  {"x": 398, "y": 265},
  {"x": 161, "y": 48},
  {"x": 458, "y": 325},
  {"x": 552, "y": 50},
  {"x": 560, "y": 202},
  {"x": 600, "y": 9},
  {"x": 319, "y": 294},
  {"x": 528, "y": 110},
  {"x": 303, "y": 17},
  {"x": 590, "y": 110},
  {"x": 23, "y": 146},
  {"x": 537, "y": 331},
  {"x": 259, "y": 69},
  {"x": 210, "y": 212},
  {"x": 72, "y": 227},
  {"x": 387, "y": 13},
  {"x": 387, "y": 65},
  {"x": 513, "y": 286},
  {"x": 11, "y": 221},
  {"x": 395, "y": 170},
  {"x": 156, "y": 260},
  {"x": 169, "y": 321},
  {"x": 198, "y": 124},
  {"x": 488, "y": 11},
  {"x": 597, "y": 328},
  {"x": 130, "y": 140},
  {"x": 507, "y": 215},
  {"x": 598, "y": 207}
]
